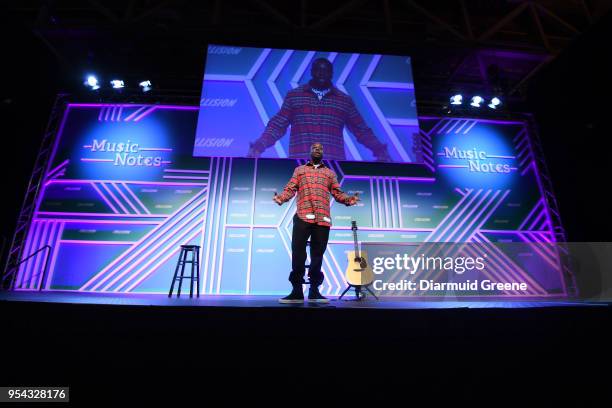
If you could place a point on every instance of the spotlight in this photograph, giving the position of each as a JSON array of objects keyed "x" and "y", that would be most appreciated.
[
  {"x": 145, "y": 85},
  {"x": 495, "y": 102},
  {"x": 456, "y": 99},
  {"x": 92, "y": 82},
  {"x": 117, "y": 83},
  {"x": 476, "y": 101}
]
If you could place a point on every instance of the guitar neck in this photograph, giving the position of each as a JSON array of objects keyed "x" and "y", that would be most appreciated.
[{"x": 357, "y": 254}]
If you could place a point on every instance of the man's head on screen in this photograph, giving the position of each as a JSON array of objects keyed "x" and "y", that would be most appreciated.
[{"x": 322, "y": 72}]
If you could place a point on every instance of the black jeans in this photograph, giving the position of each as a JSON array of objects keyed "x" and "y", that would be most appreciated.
[{"x": 318, "y": 235}]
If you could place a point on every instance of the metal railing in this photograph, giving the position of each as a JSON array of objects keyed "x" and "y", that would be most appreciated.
[{"x": 12, "y": 272}]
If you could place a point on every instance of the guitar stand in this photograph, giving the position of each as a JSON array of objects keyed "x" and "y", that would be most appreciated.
[{"x": 357, "y": 291}]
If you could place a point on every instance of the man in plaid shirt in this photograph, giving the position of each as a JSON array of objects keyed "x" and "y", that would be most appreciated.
[
  {"x": 318, "y": 112},
  {"x": 313, "y": 182}
]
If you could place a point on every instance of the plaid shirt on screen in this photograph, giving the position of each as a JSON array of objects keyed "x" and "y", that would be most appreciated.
[
  {"x": 313, "y": 186},
  {"x": 318, "y": 121}
]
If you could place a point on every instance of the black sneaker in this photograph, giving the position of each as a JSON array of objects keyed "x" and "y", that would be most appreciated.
[
  {"x": 296, "y": 296},
  {"x": 314, "y": 296}
]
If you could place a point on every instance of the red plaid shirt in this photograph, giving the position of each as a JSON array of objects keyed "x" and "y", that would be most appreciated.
[
  {"x": 313, "y": 186},
  {"x": 318, "y": 121}
]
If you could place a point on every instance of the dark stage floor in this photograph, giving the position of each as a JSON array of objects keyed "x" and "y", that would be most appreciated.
[
  {"x": 110, "y": 348},
  {"x": 348, "y": 302}
]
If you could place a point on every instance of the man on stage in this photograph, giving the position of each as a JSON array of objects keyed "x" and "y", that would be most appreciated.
[
  {"x": 313, "y": 182},
  {"x": 318, "y": 112}
]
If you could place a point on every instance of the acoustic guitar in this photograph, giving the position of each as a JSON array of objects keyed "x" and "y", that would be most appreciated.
[{"x": 358, "y": 272}]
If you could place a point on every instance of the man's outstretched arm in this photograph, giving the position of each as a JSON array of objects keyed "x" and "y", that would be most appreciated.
[
  {"x": 364, "y": 134},
  {"x": 339, "y": 195},
  {"x": 275, "y": 129},
  {"x": 289, "y": 190}
]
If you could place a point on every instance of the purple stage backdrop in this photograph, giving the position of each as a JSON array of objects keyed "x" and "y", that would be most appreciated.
[{"x": 123, "y": 190}]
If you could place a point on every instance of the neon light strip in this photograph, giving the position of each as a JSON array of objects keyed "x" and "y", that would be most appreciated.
[
  {"x": 441, "y": 129},
  {"x": 119, "y": 216},
  {"x": 531, "y": 165},
  {"x": 519, "y": 134},
  {"x": 457, "y": 217},
  {"x": 114, "y": 198},
  {"x": 59, "y": 234},
  {"x": 417, "y": 179},
  {"x": 186, "y": 171},
  {"x": 465, "y": 132},
  {"x": 60, "y": 167},
  {"x": 145, "y": 113},
  {"x": 483, "y": 241},
  {"x": 547, "y": 256},
  {"x": 486, "y": 217},
  {"x": 390, "y": 85},
  {"x": 132, "y": 115},
  {"x": 462, "y": 126},
  {"x": 399, "y": 204},
  {"x": 449, "y": 215},
  {"x": 535, "y": 222},
  {"x": 125, "y": 198},
  {"x": 210, "y": 217},
  {"x": 151, "y": 253},
  {"x": 218, "y": 222},
  {"x": 106, "y": 222},
  {"x": 534, "y": 209},
  {"x": 157, "y": 266},
  {"x": 506, "y": 262},
  {"x": 392, "y": 203},
  {"x": 187, "y": 215},
  {"x": 250, "y": 255},
  {"x": 224, "y": 220},
  {"x": 84, "y": 159},
  {"x": 450, "y": 129},
  {"x": 378, "y": 202},
  {"x": 112, "y": 207},
  {"x": 130, "y": 105},
  {"x": 186, "y": 177},
  {"x": 161, "y": 229},
  {"x": 204, "y": 230},
  {"x": 155, "y": 149},
  {"x": 51, "y": 241},
  {"x": 140, "y": 203},
  {"x": 169, "y": 246},
  {"x": 518, "y": 146},
  {"x": 497, "y": 271},
  {"x": 501, "y": 157},
  {"x": 35, "y": 273},
  {"x": 384, "y": 189},
  {"x": 92, "y": 242},
  {"x": 34, "y": 227},
  {"x": 148, "y": 183}
]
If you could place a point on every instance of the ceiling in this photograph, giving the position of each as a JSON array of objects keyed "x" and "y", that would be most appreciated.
[{"x": 470, "y": 44}]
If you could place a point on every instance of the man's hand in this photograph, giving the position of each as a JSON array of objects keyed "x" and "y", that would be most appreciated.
[
  {"x": 353, "y": 199},
  {"x": 277, "y": 199},
  {"x": 382, "y": 154},
  {"x": 253, "y": 151}
]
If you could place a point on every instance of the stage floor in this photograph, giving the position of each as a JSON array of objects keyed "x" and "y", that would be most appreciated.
[{"x": 241, "y": 301}]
